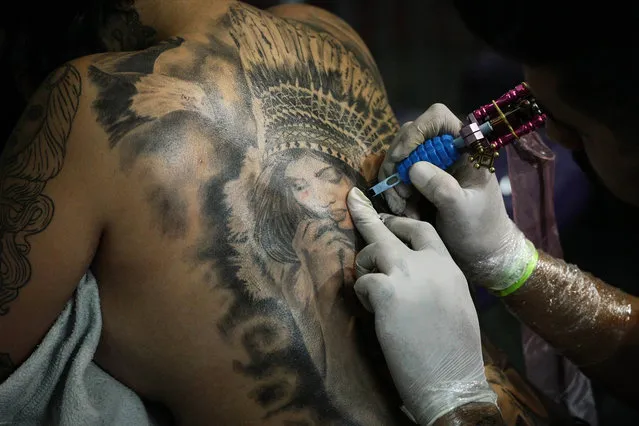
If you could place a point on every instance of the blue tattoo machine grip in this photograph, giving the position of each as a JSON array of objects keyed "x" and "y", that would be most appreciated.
[{"x": 440, "y": 151}]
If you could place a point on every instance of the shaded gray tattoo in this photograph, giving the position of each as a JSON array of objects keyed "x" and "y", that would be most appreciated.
[
  {"x": 170, "y": 209},
  {"x": 34, "y": 155},
  {"x": 308, "y": 120},
  {"x": 118, "y": 79},
  {"x": 7, "y": 367}
]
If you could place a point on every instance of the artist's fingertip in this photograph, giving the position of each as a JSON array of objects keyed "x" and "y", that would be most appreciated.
[
  {"x": 398, "y": 154},
  {"x": 355, "y": 195},
  {"x": 358, "y": 202},
  {"x": 360, "y": 271},
  {"x": 422, "y": 167},
  {"x": 363, "y": 298},
  {"x": 355, "y": 192},
  {"x": 421, "y": 172}
]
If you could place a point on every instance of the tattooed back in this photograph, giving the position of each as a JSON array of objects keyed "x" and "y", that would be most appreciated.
[{"x": 204, "y": 180}]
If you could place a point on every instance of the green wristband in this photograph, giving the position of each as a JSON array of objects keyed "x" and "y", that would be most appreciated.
[{"x": 530, "y": 267}]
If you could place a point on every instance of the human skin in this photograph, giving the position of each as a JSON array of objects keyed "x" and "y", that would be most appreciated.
[{"x": 155, "y": 168}]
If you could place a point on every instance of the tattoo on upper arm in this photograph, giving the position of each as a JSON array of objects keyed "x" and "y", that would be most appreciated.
[
  {"x": 7, "y": 367},
  {"x": 34, "y": 155}
]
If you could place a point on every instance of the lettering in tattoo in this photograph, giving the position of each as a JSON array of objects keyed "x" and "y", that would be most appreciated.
[
  {"x": 7, "y": 367},
  {"x": 307, "y": 121},
  {"x": 34, "y": 155}
]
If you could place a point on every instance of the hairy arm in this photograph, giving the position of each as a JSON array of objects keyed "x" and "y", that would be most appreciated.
[
  {"x": 48, "y": 231},
  {"x": 590, "y": 322}
]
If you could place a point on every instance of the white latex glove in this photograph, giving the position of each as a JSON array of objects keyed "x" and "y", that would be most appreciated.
[
  {"x": 424, "y": 316},
  {"x": 471, "y": 216}
]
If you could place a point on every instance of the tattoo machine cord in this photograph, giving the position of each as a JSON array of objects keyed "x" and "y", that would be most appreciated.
[{"x": 484, "y": 132}]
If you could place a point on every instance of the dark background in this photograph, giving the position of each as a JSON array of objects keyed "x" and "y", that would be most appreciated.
[{"x": 425, "y": 56}]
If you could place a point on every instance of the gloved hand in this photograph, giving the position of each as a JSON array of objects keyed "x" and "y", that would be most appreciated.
[
  {"x": 424, "y": 316},
  {"x": 471, "y": 216},
  {"x": 437, "y": 120}
]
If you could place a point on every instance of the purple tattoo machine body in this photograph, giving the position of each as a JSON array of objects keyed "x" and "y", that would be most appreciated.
[{"x": 485, "y": 131}]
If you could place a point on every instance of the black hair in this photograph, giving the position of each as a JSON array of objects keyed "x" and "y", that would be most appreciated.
[{"x": 590, "y": 47}]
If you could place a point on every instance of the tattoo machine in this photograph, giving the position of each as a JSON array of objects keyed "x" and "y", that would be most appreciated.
[{"x": 484, "y": 132}]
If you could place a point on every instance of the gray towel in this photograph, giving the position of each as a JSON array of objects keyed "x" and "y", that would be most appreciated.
[{"x": 60, "y": 385}]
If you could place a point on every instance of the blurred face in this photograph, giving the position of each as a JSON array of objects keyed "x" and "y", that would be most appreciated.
[
  {"x": 616, "y": 162},
  {"x": 319, "y": 187}
]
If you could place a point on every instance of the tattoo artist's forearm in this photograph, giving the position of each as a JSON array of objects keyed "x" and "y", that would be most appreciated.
[
  {"x": 583, "y": 317},
  {"x": 590, "y": 322},
  {"x": 7, "y": 367},
  {"x": 475, "y": 414}
]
